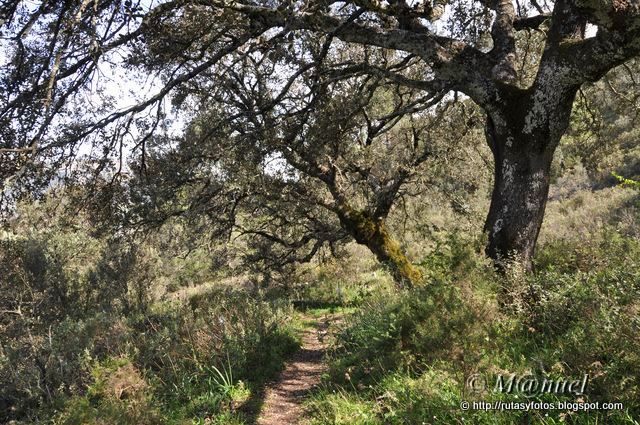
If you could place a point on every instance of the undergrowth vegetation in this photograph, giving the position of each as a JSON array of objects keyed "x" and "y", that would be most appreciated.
[
  {"x": 121, "y": 329},
  {"x": 84, "y": 341},
  {"x": 408, "y": 359},
  {"x": 204, "y": 360}
]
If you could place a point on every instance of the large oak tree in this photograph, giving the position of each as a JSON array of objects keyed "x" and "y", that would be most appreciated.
[{"x": 52, "y": 50}]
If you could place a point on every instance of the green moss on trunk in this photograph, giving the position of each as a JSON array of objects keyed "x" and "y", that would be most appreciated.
[{"x": 374, "y": 234}]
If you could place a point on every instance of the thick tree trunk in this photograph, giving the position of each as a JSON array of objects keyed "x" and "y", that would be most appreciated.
[
  {"x": 373, "y": 233},
  {"x": 518, "y": 200},
  {"x": 523, "y": 136}
]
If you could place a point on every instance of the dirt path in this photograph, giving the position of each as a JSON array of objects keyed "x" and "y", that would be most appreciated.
[{"x": 283, "y": 399}]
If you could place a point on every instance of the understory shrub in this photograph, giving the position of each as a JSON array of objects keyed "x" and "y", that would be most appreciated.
[
  {"x": 406, "y": 359},
  {"x": 200, "y": 359}
]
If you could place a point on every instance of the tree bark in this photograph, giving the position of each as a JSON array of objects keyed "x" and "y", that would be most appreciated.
[
  {"x": 518, "y": 201},
  {"x": 523, "y": 135},
  {"x": 373, "y": 233}
]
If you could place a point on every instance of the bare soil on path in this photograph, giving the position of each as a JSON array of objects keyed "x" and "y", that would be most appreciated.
[{"x": 283, "y": 399}]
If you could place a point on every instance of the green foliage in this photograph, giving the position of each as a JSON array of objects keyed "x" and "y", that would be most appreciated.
[
  {"x": 203, "y": 360},
  {"x": 405, "y": 359},
  {"x": 119, "y": 395},
  {"x": 626, "y": 182},
  {"x": 334, "y": 283},
  {"x": 85, "y": 337},
  {"x": 342, "y": 408},
  {"x": 103, "y": 328},
  {"x": 171, "y": 356},
  {"x": 604, "y": 134}
]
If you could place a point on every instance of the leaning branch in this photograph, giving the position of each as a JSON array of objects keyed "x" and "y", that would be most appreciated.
[
  {"x": 435, "y": 50},
  {"x": 530, "y": 22},
  {"x": 466, "y": 69}
]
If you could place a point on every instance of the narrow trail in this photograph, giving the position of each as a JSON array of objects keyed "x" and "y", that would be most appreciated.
[{"x": 283, "y": 399}]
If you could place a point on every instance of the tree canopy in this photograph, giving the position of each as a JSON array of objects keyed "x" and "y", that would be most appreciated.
[{"x": 272, "y": 65}]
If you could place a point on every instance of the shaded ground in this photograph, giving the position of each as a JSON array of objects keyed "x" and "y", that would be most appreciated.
[{"x": 283, "y": 398}]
